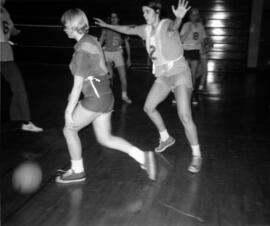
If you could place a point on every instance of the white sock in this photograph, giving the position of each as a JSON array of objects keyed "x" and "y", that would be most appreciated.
[
  {"x": 164, "y": 135},
  {"x": 124, "y": 93},
  {"x": 77, "y": 166},
  {"x": 137, "y": 154},
  {"x": 196, "y": 150}
]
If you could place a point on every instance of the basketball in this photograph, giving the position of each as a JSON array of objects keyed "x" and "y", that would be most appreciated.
[{"x": 27, "y": 177}]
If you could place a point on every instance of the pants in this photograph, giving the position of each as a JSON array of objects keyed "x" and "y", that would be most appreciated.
[{"x": 19, "y": 106}]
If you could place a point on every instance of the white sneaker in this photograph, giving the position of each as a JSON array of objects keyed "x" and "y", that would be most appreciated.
[
  {"x": 163, "y": 145},
  {"x": 174, "y": 102},
  {"x": 201, "y": 87},
  {"x": 195, "y": 101},
  {"x": 30, "y": 127},
  {"x": 195, "y": 165},
  {"x": 126, "y": 99},
  {"x": 70, "y": 176}
]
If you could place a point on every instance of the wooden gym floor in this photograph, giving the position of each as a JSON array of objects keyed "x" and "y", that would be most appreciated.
[{"x": 233, "y": 187}]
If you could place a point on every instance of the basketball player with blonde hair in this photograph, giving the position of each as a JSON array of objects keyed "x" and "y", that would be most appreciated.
[{"x": 92, "y": 79}]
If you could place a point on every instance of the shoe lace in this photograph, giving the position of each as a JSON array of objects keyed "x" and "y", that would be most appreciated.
[{"x": 65, "y": 172}]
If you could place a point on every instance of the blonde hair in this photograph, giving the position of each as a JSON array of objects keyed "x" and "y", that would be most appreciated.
[{"x": 75, "y": 19}]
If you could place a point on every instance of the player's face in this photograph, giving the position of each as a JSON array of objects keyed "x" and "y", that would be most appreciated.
[
  {"x": 69, "y": 31},
  {"x": 114, "y": 18},
  {"x": 149, "y": 15},
  {"x": 194, "y": 16}
]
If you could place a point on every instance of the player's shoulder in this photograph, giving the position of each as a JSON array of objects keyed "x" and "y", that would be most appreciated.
[
  {"x": 89, "y": 44},
  {"x": 187, "y": 23}
]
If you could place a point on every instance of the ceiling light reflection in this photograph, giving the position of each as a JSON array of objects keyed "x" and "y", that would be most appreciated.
[
  {"x": 218, "y": 31},
  {"x": 210, "y": 77},
  {"x": 216, "y": 23},
  {"x": 220, "y": 16},
  {"x": 218, "y": 7},
  {"x": 218, "y": 38}
]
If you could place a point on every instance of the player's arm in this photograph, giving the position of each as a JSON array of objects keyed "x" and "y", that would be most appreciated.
[
  {"x": 102, "y": 37},
  {"x": 124, "y": 29},
  {"x": 74, "y": 97},
  {"x": 127, "y": 48}
]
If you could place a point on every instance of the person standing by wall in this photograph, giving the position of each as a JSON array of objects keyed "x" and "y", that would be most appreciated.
[
  {"x": 192, "y": 35},
  {"x": 19, "y": 108}
]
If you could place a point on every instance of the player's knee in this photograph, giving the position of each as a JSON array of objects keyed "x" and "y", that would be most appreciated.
[
  {"x": 147, "y": 109},
  {"x": 103, "y": 139},
  {"x": 185, "y": 118},
  {"x": 67, "y": 131}
]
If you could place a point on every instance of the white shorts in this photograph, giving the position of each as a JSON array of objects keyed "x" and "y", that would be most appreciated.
[{"x": 115, "y": 57}]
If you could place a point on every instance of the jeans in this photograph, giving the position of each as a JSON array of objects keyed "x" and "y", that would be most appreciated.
[{"x": 19, "y": 106}]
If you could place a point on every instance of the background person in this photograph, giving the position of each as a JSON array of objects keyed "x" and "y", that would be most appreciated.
[
  {"x": 19, "y": 107},
  {"x": 192, "y": 35},
  {"x": 113, "y": 50}
]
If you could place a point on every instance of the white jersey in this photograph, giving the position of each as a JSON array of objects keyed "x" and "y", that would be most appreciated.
[
  {"x": 164, "y": 51},
  {"x": 195, "y": 37}
]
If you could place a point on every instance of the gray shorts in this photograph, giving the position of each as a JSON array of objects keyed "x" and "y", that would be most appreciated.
[
  {"x": 172, "y": 81},
  {"x": 115, "y": 57}
]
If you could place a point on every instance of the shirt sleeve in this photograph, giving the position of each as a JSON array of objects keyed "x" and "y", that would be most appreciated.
[
  {"x": 81, "y": 64},
  {"x": 86, "y": 64}
]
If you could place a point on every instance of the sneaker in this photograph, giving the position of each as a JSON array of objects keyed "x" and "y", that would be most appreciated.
[
  {"x": 31, "y": 127},
  {"x": 70, "y": 177},
  {"x": 200, "y": 88},
  {"x": 174, "y": 102},
  {"x": 149, "y": 165},
  {"x": 195, "y": 101},
  {"x": 163, "y": 145},
  {"x": 195, "y": 165},
  {"x": 126, "y": 99}
]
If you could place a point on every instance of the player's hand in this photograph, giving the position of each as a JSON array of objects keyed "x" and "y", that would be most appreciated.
[
  {"x": 128, "y": 62},
  {"x": 181, "y": 9},
  {"x": 100, "y": 22}
]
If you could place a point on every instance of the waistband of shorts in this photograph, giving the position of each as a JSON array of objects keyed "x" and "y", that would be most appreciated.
[{"x": 112, "y": 50}]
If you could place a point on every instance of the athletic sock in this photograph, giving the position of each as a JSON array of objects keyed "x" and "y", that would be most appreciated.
[
  {"x": 196, "y": 150},
  {"x": 164, "y": 135},
  {"x": 137, "y": 154},
  {"x": 77, "y": 165}
]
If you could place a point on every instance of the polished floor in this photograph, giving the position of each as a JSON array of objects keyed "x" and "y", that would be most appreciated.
[{"x": 233, "y": 187}]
